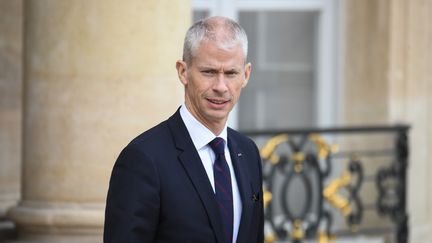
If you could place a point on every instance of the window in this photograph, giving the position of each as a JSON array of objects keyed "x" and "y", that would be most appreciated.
[{"x": 292, "y": 51}]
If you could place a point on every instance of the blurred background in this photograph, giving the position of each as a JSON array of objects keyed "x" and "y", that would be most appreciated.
[{"x": 80, "y": 79}]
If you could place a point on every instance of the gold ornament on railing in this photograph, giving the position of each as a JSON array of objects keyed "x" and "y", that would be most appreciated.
[
  {"x": 270, "y": 238},
  {"x": 267, "y": 197},
  {"x": 330, "y": 193},
  {"x": 324, "y": 149},
  {"x": 297, "y": 233},
  {"x": 267, "y": 152},
  {"x": 298, "y": 159},
  {"x": 323, "y": 237}
]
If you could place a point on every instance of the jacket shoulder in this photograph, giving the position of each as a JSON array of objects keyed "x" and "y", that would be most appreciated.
[
  {"x": 240, "y": 138},
  {"x": 156, "y": 136}
]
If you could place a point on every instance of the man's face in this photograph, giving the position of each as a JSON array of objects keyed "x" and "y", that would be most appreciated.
[{"x": 213, "y": 82}]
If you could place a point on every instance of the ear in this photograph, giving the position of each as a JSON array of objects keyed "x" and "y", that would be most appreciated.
[
  {"x": 247, "y": 72},
  {"x": 181, "y": 67}
]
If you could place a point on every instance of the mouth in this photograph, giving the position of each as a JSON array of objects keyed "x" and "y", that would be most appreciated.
[{"x": 217, "y": 101}]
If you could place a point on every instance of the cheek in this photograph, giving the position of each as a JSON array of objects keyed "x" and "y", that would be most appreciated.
[
  {"x": 236, "y": 89},
  {"x": 195, "y": 92},
  {"x": 201, "y": 89}
]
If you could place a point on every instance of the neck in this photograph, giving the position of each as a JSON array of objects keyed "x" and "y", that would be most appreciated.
[
  {"x": 216, "y": 130},
  {"x": 215, "y": 126}
]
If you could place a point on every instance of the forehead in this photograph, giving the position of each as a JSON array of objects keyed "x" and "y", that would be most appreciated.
[{"x": 215, "y": 53}]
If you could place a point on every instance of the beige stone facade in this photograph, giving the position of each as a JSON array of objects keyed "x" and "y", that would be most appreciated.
[
  {"x": 11, "y": 22},
  {"x": 96, "y": 74},
  {"x": 388, "y": 79},
  {"x": 79, "y": 79}
]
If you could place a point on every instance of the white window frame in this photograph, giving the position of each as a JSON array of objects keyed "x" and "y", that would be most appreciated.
[{"x": 327, "y": 78}]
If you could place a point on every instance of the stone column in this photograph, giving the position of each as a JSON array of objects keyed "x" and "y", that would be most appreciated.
[
  {"x": 10, "y": 103},
  {"x": 97, "y": 73},
  {"x": 410, "y": 79}
]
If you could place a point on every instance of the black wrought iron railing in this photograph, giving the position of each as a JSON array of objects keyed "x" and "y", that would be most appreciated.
[{"x": 322, "y": 184}]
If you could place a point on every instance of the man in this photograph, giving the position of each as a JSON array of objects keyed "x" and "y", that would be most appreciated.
[{"x": 190, "y": 178}]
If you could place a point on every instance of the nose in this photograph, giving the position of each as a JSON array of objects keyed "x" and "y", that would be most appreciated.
[{"x": 220, "y": 83}]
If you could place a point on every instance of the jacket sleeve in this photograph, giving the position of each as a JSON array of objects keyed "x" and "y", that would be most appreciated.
[{"x": 132, "y": 206}]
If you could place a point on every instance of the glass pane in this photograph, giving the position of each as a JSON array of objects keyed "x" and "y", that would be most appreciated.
[
  {"x": 199, "y": 14},
  {"x": 282, "y": 50}
]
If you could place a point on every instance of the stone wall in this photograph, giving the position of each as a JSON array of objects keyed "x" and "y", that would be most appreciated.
[
  {"x": 388, "y": 79},
  {"x": 95, "y": 75},
  {"x": 11, "y": 35}
]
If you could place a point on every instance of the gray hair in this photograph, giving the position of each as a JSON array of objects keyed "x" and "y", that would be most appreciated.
[{"x": 225, "y": 31}]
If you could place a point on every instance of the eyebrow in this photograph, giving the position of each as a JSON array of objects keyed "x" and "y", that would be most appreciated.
[{"x": 231, "y": 69}]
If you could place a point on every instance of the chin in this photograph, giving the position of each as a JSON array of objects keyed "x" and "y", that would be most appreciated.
[{"x": 218, "y": 116}]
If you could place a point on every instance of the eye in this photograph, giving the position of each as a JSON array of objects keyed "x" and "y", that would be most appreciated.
[
  {"x": 208, "y": 72},
  {"x": 232, "y": 73}
]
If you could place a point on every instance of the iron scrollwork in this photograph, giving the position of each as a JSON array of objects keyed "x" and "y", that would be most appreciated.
[
  {"x": 308, "y": 161},
  {"x": 299, "y": 163},
  {"x": 391, "y": 184}
]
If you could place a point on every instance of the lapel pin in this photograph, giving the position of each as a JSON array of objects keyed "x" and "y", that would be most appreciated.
[
  {"x": 255, "y": 197},
  {"x": 239, "y": 154}
]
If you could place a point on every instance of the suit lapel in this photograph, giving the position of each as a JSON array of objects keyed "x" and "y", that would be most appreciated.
[
  {"x": 189, "y": 158},
  {"x": 244, "y": 184}
]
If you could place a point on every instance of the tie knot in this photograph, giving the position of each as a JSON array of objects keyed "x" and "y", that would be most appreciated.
[{"x": 217, "y": 145}]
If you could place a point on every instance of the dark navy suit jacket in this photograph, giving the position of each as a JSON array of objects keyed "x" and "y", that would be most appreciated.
[{"x": 159, "y": 190}]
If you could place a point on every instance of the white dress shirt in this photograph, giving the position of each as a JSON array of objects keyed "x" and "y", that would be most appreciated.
[{"x": 201, "y": 136}]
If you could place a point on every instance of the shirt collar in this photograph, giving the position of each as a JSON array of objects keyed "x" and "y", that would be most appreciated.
[{"x": 199, "y": 133}]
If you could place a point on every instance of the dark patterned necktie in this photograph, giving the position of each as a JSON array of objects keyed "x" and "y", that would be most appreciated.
[{"x": 223, "y": 188}]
